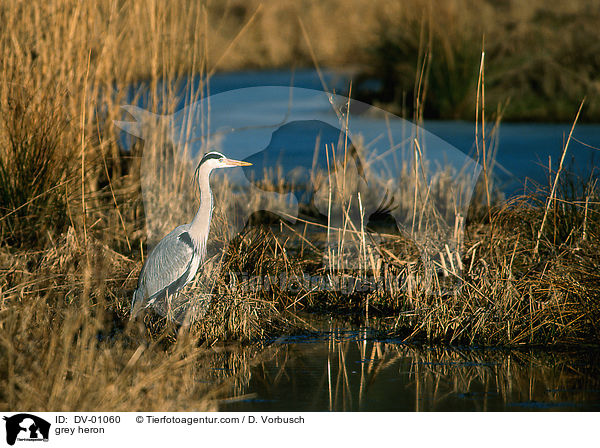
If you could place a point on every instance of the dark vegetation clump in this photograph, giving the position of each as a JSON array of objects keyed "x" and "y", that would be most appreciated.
[{"x": 541, "y": 60}]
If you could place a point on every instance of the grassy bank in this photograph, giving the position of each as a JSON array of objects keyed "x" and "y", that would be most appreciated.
[{"x": 72, "y": 225}]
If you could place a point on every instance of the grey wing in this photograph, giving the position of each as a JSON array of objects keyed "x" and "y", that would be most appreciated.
[{"x": 166, "y": 270}]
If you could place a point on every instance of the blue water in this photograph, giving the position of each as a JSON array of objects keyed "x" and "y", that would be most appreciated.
[{"x": 525, "y": 153}]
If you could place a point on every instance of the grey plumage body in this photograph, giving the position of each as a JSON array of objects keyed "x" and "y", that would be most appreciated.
[
  {"x": 171, "y": 265},
  {"x": 175, "y": 260}
]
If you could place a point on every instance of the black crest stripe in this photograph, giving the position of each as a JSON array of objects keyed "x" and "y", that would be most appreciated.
[{"x": 211, "y": 155}]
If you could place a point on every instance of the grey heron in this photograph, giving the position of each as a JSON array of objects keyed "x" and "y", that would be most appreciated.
[{"x": 174, "y": 261}]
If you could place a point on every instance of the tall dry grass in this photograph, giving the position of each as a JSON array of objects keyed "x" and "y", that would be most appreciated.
[{"x": 72, "y": 221}]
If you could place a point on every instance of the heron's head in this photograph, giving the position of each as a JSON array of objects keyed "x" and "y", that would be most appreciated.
[{"x": 213, "y": 160}]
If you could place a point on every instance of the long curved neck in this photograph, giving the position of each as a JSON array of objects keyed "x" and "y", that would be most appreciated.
[{"x": 200, "y": 225}]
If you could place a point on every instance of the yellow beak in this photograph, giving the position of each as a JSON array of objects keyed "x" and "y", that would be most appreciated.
[{"x": 231, "y": 162}]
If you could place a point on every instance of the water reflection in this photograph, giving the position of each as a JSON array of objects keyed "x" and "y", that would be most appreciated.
[{"x": 343, "y": 370}]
